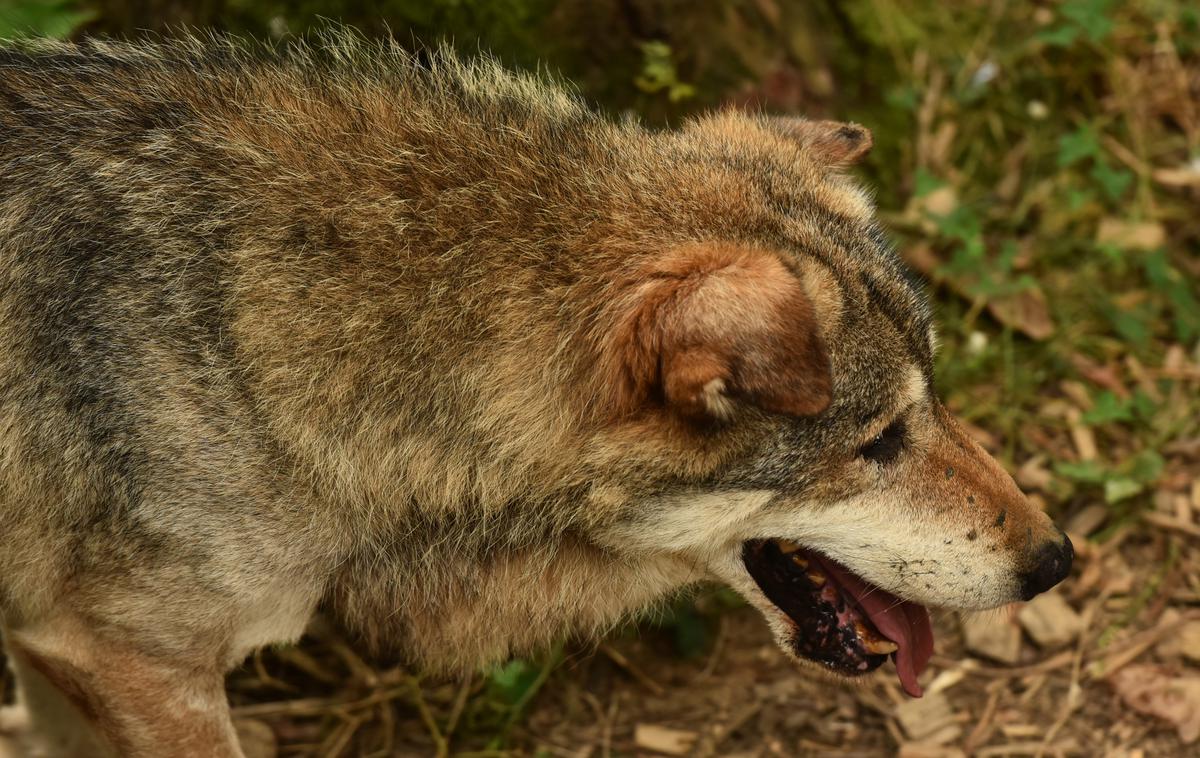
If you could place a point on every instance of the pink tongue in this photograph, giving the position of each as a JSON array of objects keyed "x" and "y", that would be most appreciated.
[{"x": 902, "y": 622}]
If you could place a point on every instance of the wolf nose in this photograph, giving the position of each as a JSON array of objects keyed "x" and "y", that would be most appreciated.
[{"x": 1051, "y": 566}]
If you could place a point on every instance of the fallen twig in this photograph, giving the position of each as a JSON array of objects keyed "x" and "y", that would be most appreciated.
[
  {"x": 1136, "y": 645},
  {"x": 617, "y": 657},
  {"x": 314, "y": 706},
  {"x": 1170, "y": 522},
  {"x": 435, "y": 733}
]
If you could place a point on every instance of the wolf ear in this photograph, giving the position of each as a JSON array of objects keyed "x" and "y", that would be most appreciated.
[
  {"x": 831, "y": 143},
  {"x": 711, "y": 325}
]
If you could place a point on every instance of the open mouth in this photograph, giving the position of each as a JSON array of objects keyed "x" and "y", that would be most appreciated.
[{"x": 841, "y": 621}]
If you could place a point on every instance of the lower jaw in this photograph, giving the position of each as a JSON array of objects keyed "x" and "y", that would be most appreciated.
[
  {"x": 827, "y": 628},
  {"x": 850, "y": 664}
]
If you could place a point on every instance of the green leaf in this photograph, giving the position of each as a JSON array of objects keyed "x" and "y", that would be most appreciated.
[
  {"x": 512, "y": 680},
  {"x": 691, "y": 631},
  {"x": 1008, "y": 256},
  {"x": 1107, "y": 409},
  {"x": 962, "y": 223},
  {"x": 925, "y": 182},
  {"x": 1189, "y": 24},
  {"x": 1059, "y": 36},
  {"x": 1120, "y": 488},
  {"x": 1113, "y": 181},
  {"x": 1077, "y": 146},
  {"x": 1112, "y": 252},
  {"x": 1078, "y": 198},
  {"x": 1089, "y": 472},
  {"x": 1131, "y": 478},
  {"x": 1167, "y": 280},
  {"x": 1146, "y": 467},
  {"x": 1090, "y": 17},
  {"x": 41, "y": 18},
  {"x": 659, "y": 73},
  {"x": 1158, "y": 270},
  {"x": 903, "y": 97},
  {"x": 1144, "y": 405},
  {"x": 1134, "y": 325}
]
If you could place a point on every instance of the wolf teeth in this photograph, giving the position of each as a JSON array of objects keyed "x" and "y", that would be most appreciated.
[
  {"x": 881, "y": 647},
  {"x": 800, "y": 561},
  {"x": 873, "y": 643},
  {"x": 816, "y": 577},
  {"x": 787, "y": 547}
]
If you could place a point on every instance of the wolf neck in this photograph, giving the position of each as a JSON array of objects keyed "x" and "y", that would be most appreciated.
[{"x": 458, "y": 613}]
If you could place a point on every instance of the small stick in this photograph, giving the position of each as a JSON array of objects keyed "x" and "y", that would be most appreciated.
[
  {"x": 439, "y": 742},
  {"x": 460, "y": 702},
  {"x": 309, "y": 665},
  {"x": 1137, "y": 645},
  {"x": 337, "y": 742},
  {"x": 1049, "y": 664},
  {"x": 1025, "y": 748},
  {"x": 601, "y": 721},
  {"x": 1074, "y": 690},
  {"x": 715, "y": 656},
  {"x": 982, "y": 729},
  {"x": 265, "y": 676},
  {"x": 313, "y": 706},
  {"x": 387, "y": 721},
  {"x": 1169, "y": 522},
  {"x": 643, "y": 678}
]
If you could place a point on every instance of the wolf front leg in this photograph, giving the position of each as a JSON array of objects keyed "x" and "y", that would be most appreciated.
[{"x": 93, "y": 694}]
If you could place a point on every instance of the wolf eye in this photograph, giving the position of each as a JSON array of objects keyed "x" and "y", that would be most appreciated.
[{"x": 887, "y": 445}]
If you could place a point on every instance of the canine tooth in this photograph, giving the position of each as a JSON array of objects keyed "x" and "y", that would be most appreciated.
[
  {"x": 787, "y": 546},
  {"x": 816, "y": 577},
  {"x": 872, "y": 642}
]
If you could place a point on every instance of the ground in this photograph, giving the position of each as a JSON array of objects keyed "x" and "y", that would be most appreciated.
[
  {"x": 1038, "y": 162},
  {"x": 1119, "y": 680}
]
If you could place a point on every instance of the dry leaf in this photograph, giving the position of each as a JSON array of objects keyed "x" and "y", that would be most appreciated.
[
  {"x": 1082, "y": 435},
  {"x": 1189, "y": 641},
  {"x": 1183, "y": 176},
  {"x": 921, "y": 257},
  {"x": 986, "y": 439},
  {"x": 928, "y": 750},
  {"x": 1026, "y": 311},
  {"x": 940, "y": 202},
  {"x": 1105, "y": 376},
  {"x": 922, "y": 718},
  {"x": 1087, "y": 520},
  {"x": 662, "y": 739},
  {"x": 992, "y": 635},
  {"x": 1154, "y": 690},
  {"x": 1050, "y": 620},
  {"x": 1033, "y": 474},
  {"x": 1131, "y": 235}
]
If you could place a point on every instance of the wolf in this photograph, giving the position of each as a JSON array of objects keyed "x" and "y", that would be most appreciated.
[{"x": 437, "y": 351}]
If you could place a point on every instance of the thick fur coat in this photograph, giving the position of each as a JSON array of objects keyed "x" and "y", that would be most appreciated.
[{"x": 436, "y": 349}]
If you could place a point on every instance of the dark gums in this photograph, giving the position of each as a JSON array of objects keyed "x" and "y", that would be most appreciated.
[{"x": 818, "y": 637}]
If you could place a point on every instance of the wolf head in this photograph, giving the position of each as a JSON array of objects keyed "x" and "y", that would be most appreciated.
[{"x": 775, "y": 381}]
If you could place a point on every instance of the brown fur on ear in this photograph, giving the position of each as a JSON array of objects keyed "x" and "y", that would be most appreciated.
[
  {"x": 712, "y": 322},
  {"x": 832, "y": 143}
]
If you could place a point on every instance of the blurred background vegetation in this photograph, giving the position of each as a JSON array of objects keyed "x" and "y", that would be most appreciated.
[{"x": 1037, "y": 160}]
